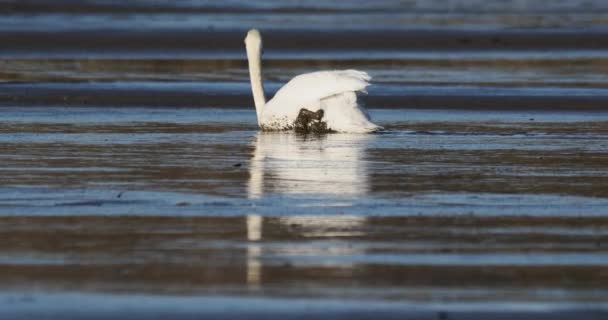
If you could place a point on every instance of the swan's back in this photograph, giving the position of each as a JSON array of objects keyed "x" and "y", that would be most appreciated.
[{"x": 310, "y": 89}]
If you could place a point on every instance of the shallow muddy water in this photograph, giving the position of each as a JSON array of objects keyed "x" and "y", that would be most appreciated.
[
  {"x": 135, "y": 184},
  {"x": 466, "y": 211}
]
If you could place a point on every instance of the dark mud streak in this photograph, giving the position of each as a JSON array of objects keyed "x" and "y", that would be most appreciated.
[
  {"x": 129, "y": 95},
  {"x": 177, "y": 278},
  {"x": 587, "y": 129},
  {"x": 197, "y": 41},
  {"x": 124, "y": 128},
  {"x": 119, "y": 7},
  {"x": 234, "y": 69}
]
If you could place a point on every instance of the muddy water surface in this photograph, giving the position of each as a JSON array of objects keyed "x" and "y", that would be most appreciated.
[
  {"x": 134, "y": 183},
  {"x": 461, "y": 210}
]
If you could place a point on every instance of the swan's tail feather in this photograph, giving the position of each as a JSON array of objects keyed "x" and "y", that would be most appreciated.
[
  {"x": 344, "y": 114},
  {"x": 361, "y": 78},
  {"x": 361, "y": 75}
]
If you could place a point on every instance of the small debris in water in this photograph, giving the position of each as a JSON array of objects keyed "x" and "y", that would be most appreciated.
[
  {"x": 182, "y": 204},
  {"x": 237, "y": 165}
]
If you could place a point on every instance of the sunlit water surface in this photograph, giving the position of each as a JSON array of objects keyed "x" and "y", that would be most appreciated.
[
  {"x": 198, "y": 202},
  {"x": 135, "y": 184}
]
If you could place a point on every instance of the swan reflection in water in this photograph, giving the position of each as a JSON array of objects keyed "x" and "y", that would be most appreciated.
[{"x": 331, "y": 166}]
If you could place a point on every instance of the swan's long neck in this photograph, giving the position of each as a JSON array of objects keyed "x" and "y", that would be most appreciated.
[{"x": 254, "y": 56}]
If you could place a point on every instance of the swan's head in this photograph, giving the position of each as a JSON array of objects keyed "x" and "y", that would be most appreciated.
[{"x": 253, "y": 41}]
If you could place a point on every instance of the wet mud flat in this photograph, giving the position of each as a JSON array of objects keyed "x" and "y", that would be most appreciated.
[
  {"x": 231, "y": 95},
  {"x": 135, "y": 184},
  {"x": 162, "y": 43},
  {"x": 314, "y": 266}
]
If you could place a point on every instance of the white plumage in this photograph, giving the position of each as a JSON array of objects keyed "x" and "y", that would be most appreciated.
[{"x": 334, "y": 92}]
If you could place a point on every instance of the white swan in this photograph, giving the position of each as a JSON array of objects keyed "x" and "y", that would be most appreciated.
[{"x": 316, "y": 101}]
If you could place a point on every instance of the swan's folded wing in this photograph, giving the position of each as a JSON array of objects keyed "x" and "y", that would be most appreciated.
[{"x": 315, "y": 86}]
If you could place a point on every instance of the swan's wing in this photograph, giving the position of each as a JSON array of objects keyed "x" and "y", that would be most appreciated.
[
  {"x": 307, "y": 90},
  {"x": 343, "y": 113},
  {"x": 315, "y": 86}
]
